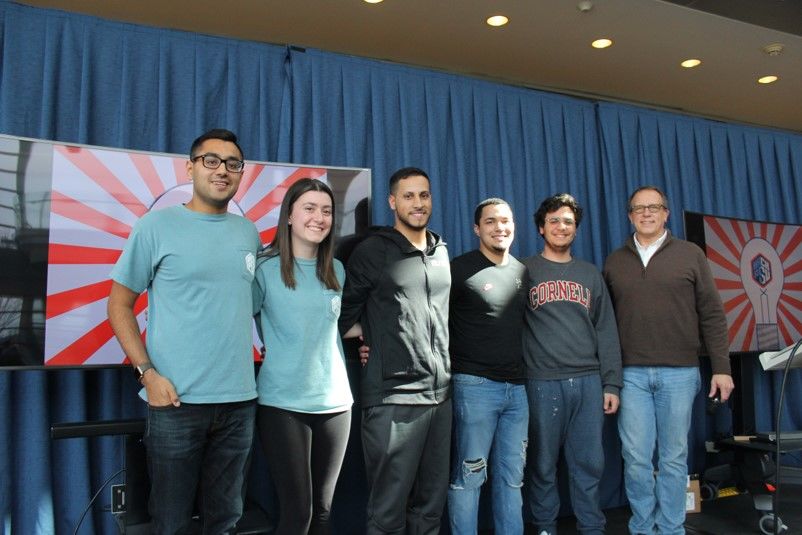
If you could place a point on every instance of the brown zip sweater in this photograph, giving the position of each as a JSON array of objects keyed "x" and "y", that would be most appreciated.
[{"x": 669, "y": 312}]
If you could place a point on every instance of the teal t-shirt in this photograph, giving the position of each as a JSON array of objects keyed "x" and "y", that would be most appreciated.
[
  {"x": 304, "y": 367},
  {"x": 198, "y": 270}
]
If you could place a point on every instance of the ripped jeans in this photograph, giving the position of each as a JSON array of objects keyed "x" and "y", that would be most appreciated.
[
  {"x": 567, "y": 415},
  {"x": 490, "y": 422}
]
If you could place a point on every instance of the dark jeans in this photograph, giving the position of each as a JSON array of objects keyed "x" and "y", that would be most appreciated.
[
  {"x": 203, "y": 447},
  {"x": 406, "y": 459},
  {"x": 566, "y": 414},
  {"x": 304, "y": 453}
]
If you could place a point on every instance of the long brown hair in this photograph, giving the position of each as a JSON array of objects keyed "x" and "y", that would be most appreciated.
[{"x": 282, "y": 242}]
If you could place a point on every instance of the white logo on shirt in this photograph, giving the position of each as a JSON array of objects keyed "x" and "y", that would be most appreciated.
[
  {"x": 335, "y": 305},
  {"x": 250, "y": 263}
]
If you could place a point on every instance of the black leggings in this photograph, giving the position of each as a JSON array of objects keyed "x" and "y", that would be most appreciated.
[{"x": 304, "y": 454}]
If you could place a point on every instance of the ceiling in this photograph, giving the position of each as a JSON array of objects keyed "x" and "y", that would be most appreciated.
[{"x": 546, "y": 45}]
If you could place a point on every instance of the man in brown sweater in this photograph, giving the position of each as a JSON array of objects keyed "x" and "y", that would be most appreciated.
[{"x": 666, "y": 306}]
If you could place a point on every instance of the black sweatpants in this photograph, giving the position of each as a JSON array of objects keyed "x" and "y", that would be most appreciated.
[{"x": 407, "y": 451}]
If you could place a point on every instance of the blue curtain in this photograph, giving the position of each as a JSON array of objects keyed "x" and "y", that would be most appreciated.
[
  {"x": 80, "y": 79},
  {"x": 475, "y": 139},
  {"x": 703, "y": 166}
]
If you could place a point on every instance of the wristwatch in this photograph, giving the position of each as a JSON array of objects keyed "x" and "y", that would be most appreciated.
[{"x": 141, "y": 369}]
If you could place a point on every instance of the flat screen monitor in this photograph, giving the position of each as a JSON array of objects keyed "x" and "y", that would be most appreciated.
[
  {"x": 757, "y": 267},
  {"x": 65, "y": 214}
]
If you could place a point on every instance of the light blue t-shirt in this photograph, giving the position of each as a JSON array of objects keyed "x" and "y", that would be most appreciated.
[
  {"x": 198, "y": 270},
  {"x": 304, "y": 367}
]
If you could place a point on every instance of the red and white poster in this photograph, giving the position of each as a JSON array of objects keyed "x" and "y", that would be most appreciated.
[{"x": 757, "y": 268}]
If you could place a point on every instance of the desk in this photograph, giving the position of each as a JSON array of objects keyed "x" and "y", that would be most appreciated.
[{"x": 786, "y": 446}]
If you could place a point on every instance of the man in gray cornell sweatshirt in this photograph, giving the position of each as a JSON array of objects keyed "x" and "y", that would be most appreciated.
[{"x": 573, "y": 361}]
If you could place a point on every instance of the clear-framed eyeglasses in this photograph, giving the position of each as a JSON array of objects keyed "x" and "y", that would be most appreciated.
[{"x": 567, "y": 221}]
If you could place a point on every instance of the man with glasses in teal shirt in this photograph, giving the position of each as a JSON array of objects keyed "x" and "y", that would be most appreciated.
[{"x": 196, "y": 262}]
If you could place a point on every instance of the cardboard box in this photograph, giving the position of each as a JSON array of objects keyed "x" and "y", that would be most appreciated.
[{"x": 693, "y": 497}]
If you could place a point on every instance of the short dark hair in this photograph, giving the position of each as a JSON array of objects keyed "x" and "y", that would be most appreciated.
[
  {"x": 647, "y": 188},
  {"x": 492, "y": 201},
  {"x": 216, "y": 133},
  {"x": 554, "y": 203},
  {"x": 405, "y": 172}
]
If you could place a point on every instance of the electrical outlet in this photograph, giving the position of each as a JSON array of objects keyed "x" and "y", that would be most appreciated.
[{"x": 117, "y": 499}]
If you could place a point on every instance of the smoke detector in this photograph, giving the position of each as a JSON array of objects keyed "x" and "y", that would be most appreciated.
[{"x": 774, "y": 49}]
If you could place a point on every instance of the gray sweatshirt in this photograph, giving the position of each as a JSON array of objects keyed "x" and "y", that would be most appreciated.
[{"x": 570, "y": 326}]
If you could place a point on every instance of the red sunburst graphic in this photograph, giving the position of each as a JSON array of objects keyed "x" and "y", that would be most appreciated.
[
  {"x": 98, "y": 195},
  {"x": 757, "y": 267}
]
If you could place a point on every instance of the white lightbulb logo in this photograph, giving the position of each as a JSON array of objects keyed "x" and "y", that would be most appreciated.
[{"x": 763, "y": 278}]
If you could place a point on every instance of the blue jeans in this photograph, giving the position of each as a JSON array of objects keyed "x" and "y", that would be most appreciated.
[
  {"x": 490, "y": 420},
  {"x": 203, "y": 447},
  {"x": 566, "y": 414},
  {"x": 656, "y": 407}
]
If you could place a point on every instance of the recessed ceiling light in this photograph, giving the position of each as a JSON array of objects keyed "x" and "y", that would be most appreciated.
[
  {"x": 601, "y": 43},
  {"x": 691, "y": 63},
  {"x": 374, "y": 1},
  {"x": 767, "y": 79},
  {"x": 497, "y": 20}
]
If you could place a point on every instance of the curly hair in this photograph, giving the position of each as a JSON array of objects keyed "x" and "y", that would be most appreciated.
[{"x": 554, "y": 203}]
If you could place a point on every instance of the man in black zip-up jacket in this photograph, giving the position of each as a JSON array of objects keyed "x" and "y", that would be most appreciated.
[{"x": 397, "y": 287}]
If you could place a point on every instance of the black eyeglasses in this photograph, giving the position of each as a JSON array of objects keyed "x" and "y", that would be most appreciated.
[
  {"x": 652, "y": 208},
  {"x": 213, "y": 161}
]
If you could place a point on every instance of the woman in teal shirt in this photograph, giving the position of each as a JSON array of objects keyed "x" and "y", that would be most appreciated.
[{"x": 304, "y": 411}]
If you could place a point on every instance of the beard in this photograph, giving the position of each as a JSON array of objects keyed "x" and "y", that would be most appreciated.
[
  {"x": 497, "y": 248},
  {"x": 560, "y": 247},
  {"x": 413, "y": 224},
  {"x": 220, "y": 203}
]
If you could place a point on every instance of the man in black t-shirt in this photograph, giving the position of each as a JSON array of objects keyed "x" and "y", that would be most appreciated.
[{"x": 486, "y": 314}]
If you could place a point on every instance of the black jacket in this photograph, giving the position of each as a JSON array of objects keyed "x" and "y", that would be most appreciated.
[{"x": 400, "y": 296}]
